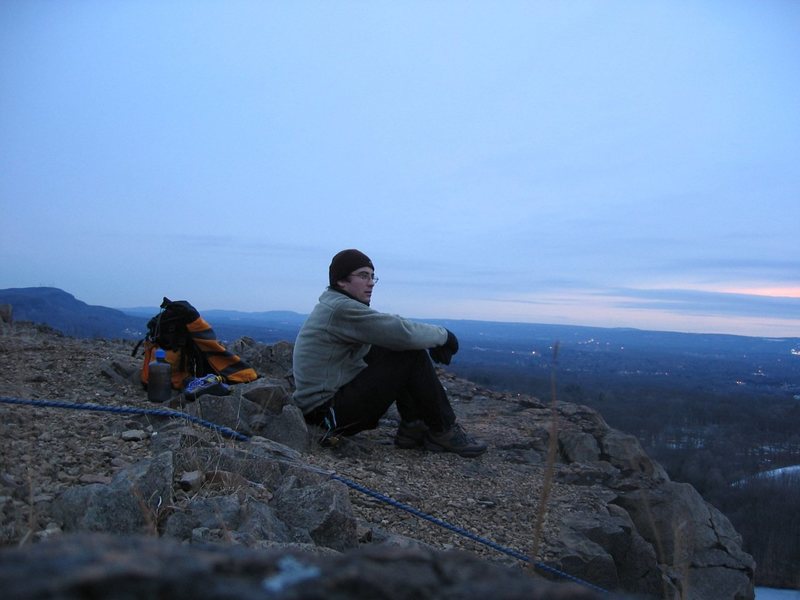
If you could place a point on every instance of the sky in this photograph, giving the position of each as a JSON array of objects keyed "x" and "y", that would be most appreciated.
[{"x": 604, "y": 163}]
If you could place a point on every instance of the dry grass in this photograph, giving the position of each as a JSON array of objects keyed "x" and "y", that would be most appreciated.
[{"x": 552, "y": 450}]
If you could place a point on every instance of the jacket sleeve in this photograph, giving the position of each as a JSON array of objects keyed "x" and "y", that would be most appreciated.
[{"x": 359, "y": 323}]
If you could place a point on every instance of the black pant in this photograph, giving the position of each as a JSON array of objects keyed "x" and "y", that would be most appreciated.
[{"x": 406, "y": 377}]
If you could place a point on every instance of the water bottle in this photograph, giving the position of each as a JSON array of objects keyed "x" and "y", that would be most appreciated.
[{"x": 159, "y": 381}]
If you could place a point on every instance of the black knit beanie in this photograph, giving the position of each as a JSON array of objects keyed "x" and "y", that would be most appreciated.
[{"x": 345, "y": 262}]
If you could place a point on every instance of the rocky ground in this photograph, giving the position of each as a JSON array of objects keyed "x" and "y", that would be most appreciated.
[
  {"x": 592, "y": 503},
  {"x": 46, "y": 450}
]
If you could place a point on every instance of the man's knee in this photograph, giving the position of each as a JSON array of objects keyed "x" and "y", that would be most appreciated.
[{"x": 395, "y": 357}]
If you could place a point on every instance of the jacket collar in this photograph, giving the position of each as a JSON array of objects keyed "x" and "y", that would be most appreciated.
[{"x": 343, "y": 293}]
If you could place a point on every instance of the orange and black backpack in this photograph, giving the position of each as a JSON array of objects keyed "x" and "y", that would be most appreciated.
[{"x": 191, "y": 346}]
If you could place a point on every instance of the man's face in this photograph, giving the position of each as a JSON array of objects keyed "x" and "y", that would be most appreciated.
[{"x": 359, "y": 284}]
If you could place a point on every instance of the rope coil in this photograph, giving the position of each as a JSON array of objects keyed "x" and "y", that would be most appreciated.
[{"x": 162, "y": 412}]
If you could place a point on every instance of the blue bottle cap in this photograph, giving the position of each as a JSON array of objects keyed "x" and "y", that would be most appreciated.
[{"x": 161, "y": 353}]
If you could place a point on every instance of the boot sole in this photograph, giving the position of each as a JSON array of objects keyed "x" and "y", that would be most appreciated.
[
  {"x": 466, "y": 452},
  {"x": 408, "y": 444}
]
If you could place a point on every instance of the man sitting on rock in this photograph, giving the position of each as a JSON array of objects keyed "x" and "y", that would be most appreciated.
[{"x": 352, "y": 362}]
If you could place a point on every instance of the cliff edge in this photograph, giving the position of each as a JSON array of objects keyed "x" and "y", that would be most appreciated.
[{"x": 612, "y": 518}]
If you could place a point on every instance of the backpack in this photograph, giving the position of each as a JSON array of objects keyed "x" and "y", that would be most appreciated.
[{"x": 191, "y": 346}]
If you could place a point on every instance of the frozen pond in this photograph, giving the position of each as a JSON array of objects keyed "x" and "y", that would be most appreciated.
[{"x": 775, "y": 594}]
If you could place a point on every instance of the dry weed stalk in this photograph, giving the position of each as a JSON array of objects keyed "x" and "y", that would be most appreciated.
[
  {"x": 150, "y": 514},
  {"x": 661, "y": 556},
  {"x": 31, "y": 513},
  {"x": 215, "y": 480},
  {"x": 552, "y": 448}
]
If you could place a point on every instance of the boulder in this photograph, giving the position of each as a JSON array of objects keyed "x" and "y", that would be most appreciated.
[
  {"x": 288, "y": 428},
  {"x": 259, "y": 409},
  {"x": 262, "y": 462},
  {"x": 131, "y": 503},
  {"x": 104, "y": 566},
  {"x": 234, "y": 411},
  {"x": 626, "y": 453},
  {"x": 268, "y": 360},
  {"x": 578, "y": 446},
  {"x": 606, "y": 548},
  {"x": 271, "y": 396},
  {"x": 693, "y": 538},
  {"x": 244, "y": 521},
  {"x": 326, "y": 515}
]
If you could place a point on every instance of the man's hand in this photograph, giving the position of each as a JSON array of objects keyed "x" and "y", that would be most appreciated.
[{"x": 442, "y": 354}]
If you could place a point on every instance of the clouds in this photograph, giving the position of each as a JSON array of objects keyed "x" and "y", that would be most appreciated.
[
  {"x": 705, "y": 303},
  {"x": 532, "y": 161}
]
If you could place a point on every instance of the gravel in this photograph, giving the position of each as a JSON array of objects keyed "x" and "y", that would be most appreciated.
[{"x": 46, "y": 450}]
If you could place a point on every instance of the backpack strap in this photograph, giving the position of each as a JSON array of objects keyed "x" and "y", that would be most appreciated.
[
  {"x": 136, "y": 347},
  {"x": 226, "y": 364}
]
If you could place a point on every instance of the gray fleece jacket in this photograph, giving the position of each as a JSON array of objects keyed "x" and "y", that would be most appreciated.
[{"x": 330, "y": 348}]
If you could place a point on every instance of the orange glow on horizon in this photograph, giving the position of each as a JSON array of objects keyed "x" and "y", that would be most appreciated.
[
  {"x": 786, "y": 291},
  {"x": 594, "y": 312},
  {"x": 774, "y": 292}
]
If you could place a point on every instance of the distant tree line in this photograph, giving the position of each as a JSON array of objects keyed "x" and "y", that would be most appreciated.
[{"x": 766, "y": 512}]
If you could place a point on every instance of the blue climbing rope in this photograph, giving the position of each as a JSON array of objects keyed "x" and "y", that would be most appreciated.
[
  {"x": 463, "y": 532},
  {"x": 162, "y": 412}
]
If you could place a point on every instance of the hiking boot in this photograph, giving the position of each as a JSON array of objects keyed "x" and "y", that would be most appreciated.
[
  {"x": 410, "y": 434},
  {"x": 455, "y": 440}
]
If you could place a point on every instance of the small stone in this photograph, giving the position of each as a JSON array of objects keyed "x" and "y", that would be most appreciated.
[
  {"x": 134, "y": 435},
  {"x": 364, "y": 534},
  {"x": 191, "y": 481},
  {"x": 51, "y": 530},
  {"x": 94, "y": 478}
]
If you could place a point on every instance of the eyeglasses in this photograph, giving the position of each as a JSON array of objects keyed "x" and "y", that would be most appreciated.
[{"x": 364, "y": 276}]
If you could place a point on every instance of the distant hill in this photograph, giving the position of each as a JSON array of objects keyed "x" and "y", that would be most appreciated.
[
  {"x": 712, "y": 409},
  {"x": 515, "y": 351},
  {"x": 70, "y": 316}
]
